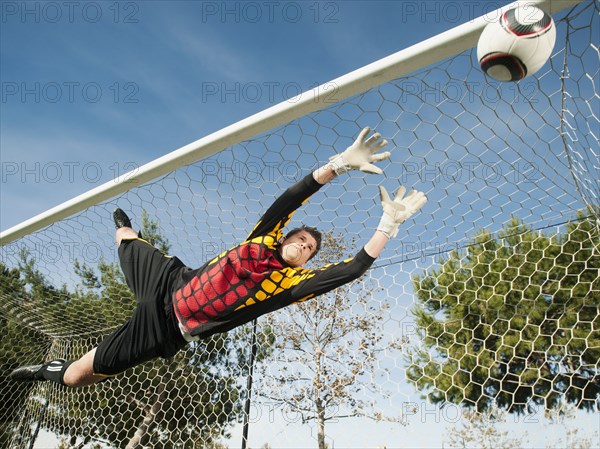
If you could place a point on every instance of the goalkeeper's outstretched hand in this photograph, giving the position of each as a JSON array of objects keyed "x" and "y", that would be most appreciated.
[
  {"x": 399, "y": 210},
  {"x": 361, "y": 154}
]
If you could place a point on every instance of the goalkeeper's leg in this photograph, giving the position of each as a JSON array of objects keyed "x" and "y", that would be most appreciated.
[
  {"x": 81, "y": 372},
  {"x": 151, "y": 332},
  {"x": 73, "y": 373},
  {"x": 125, "y": 234},
  {"x": 123, "y": 225}
]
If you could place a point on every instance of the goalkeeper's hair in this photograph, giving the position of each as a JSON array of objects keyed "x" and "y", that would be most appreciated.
[{"x": 314, "y": 232}]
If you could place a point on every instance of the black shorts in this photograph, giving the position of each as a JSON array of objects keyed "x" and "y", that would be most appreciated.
[{"x": 152, "y": 331}]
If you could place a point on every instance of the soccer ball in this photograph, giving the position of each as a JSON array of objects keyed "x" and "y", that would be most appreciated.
[{"x": 517, "y": 45}]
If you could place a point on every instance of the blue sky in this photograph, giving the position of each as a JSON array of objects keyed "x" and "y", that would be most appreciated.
[{"x": 91, "y": 92}]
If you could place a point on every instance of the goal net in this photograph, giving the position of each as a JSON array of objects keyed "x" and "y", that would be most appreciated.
[{"x": 487, "y": 300}]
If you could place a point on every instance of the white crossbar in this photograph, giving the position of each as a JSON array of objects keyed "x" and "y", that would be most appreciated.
[{"x": 391, "y": 67}]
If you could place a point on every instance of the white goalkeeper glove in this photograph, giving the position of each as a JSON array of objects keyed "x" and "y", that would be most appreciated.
[
  {"x": 399, "y": 210},
  {"x": 361, "y": 154}
]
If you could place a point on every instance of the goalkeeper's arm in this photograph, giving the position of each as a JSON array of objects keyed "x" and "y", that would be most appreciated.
[
  {"x": 334, "y": 275},
  {"x": 359, "y": 156}
]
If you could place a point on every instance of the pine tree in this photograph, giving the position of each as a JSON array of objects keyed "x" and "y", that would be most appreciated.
[{"x": 513, "y": 321}]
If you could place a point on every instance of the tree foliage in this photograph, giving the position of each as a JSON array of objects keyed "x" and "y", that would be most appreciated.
[
  {"x": 493, "y": 429},
  {"x": 483, "y": 431},
  {"x": 513, "y": 322},
  {"x": 19, "y": 341}
]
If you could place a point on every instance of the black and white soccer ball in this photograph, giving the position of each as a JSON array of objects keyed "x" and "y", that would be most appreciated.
[{"x": 518, "y": 44}]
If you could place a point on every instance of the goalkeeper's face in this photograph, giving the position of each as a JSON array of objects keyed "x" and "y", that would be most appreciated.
[{"x": 297, "y": 249}]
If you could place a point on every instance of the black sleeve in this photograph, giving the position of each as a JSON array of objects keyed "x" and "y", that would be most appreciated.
[
  {"x": 281, "y": 211},
  {"x": 332, "y": 276}
]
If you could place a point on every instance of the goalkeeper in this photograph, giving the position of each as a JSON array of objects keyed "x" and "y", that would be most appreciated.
[{"x": 177, "y": 305}]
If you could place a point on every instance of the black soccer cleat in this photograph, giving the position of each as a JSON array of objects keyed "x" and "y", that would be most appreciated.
[
  {"x": 121, "y": 219},
  {"x": 29, "y": 373}
]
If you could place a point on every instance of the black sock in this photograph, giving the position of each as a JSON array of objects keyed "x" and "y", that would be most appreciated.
[{"x": 54, "y": 371}]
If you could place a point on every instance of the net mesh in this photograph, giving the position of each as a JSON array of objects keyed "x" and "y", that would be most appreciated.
[{"x": 488, "y": 298}]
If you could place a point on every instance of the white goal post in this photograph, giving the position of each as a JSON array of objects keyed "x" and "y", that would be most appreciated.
[{"x": 391, "y": 67}]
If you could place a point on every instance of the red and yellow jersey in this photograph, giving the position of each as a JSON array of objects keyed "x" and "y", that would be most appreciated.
[{"x": 252, "y": 279}]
